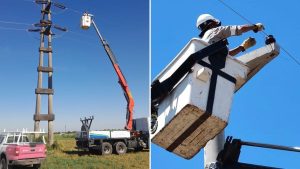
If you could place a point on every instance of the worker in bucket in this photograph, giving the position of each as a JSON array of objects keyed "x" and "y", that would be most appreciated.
[{"x": 212, "y": 31}]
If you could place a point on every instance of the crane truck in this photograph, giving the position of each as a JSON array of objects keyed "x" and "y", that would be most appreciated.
[{"x": 136, "y": 133}]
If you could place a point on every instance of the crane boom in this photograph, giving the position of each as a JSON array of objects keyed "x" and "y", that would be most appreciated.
[{"x": 122, "y": 81}]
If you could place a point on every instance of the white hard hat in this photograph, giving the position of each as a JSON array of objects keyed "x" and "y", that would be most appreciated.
[{"x": 203, "y": 18}]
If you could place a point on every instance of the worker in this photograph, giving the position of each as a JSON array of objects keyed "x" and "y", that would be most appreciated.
[{"x": 212, "y": 31}]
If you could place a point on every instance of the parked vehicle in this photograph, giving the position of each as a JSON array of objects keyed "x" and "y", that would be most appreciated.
[
  {"x": 22, "y": 149},
  {"x": 113, "y": 141}
]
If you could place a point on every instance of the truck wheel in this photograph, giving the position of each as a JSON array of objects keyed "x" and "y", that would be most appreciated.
[
  {"x": 106, "y": 148},
  {"x": 139, "y": 149},
  {"x": 36, "y": 166},
  {"x": 3, "y": 164},
  {"x": 120, "y": 148}
]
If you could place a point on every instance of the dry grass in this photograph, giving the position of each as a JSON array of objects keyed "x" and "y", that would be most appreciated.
[{"x": 67, "y": 157}]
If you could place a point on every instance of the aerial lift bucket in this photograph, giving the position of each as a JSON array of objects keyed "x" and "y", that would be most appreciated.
[
  {"x": 184, "y": 123},
  {"x": 86, "y": 21}
]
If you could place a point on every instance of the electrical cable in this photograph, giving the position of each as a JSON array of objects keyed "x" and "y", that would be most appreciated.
[
  {"x": 57, "y": 36},
  {"x": 82, "y": 35},
  {"x": 67, "y": 8},
  {"x": 58, "y": 13},
  {"x": 16, "y": 23},
  {"x": 9, "y": 28},
  {"x": 18, "y": 29},
  {"x": 26, "y": 30},
  {"x": 28, "y": 24},
  {"x": 74, "y": 10},
  {"x": 240, "y": 15},
  {"x": 264, "y": 32}
]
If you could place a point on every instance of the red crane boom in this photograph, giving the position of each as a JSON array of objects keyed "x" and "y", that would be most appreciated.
[{"x": 122, "y": 81}]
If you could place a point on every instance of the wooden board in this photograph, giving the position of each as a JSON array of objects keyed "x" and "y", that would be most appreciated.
[{"x": 189, "y": 131}]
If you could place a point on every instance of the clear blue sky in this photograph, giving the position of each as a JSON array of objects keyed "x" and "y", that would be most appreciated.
[
  {"x": 267, "y": 108},
  {"x": 84, "y": 80}
]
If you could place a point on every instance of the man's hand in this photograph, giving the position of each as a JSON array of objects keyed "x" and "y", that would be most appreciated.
[
  {"x": 258, "y": 27},
  {"x": 245, "y": 45},
  {"x": 248, "y": 43}
]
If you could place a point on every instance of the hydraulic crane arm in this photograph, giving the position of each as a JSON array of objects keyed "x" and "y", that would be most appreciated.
[
  {"x": 122, "y": 80},
  {"x": 229, "y": 156}
]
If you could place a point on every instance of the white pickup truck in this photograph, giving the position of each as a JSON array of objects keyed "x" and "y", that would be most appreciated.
[{"x": 22, "y": 149}]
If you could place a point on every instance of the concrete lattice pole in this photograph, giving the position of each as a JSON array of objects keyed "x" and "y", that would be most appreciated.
[
  {"x": 50, "y": 96},
  {"x": 45, "y": 22},
  {"x": 40, "y": 80}
]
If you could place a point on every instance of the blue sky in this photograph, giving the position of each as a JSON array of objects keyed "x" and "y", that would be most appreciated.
[
  {"x": 84, "y": 80},
  {"x": 267, "y": 108}
]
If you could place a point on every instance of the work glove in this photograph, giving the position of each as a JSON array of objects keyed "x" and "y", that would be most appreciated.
[
  {"x": 258, "y": 27},
  {"x": 248, "y": 43}
]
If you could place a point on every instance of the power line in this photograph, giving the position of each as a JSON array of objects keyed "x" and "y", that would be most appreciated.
[
  {"x": 16, "y": 23},
  {"x": 291, "y": 56},
  {"x": 28, "y": 0},
  {"x": 28, "y": 24},
  {"x": 82, "y": 35},
  {"x": 70, "y": 9},
  {"x": 9, "y": 28},
  {"x": 264, "y": 32},
  {"x": 56, "y": 37},
  {"x": 74, "y": 10},
  {"x": 236, "y": 12},
  {"x": 67, "y": 8}
]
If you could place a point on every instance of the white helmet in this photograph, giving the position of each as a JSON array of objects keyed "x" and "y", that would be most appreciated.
[{"x": 205, "y": 17}]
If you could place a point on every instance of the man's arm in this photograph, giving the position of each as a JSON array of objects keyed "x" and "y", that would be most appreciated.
[
  {"x": 247, "y": 28},
  {"x": 228, "y": 31},
  {"x": 257, "y": 27},
  {"x": 245, "y": 45},
  {"x": 236, "y": 30},
  {"x": 236, "y": 51}
]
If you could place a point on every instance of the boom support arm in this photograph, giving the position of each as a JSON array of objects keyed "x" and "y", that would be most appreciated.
[{"x": 122, "y": 81}]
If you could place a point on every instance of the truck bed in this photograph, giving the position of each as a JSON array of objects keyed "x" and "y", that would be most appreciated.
[
  {"x": 25, "y": 151},
  {"x": 109, "y": 134}
]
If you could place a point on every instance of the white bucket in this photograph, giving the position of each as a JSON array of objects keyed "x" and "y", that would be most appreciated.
[
  {"x": 184, "y": 126},
  {"x": 86, "y": 21}
]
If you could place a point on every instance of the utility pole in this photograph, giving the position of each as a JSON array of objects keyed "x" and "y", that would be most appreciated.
[
  {"x": 45, "y": 50},
  {"x": 255, "y": 61}
]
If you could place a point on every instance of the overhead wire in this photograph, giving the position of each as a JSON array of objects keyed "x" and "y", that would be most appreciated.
[
  {"x": 26, "y": 30},
  {"x": 62, "y": 11},
  {"x": 82, "y": 35},
  {"x": 16, "y": 23},
  {"x": 29, "y": 24},
  {"x": 74, "y": 10},
  {"x": 240, "y": 15},
  {"x": 10, "y": 28},
  {"x": 58, "y": 13},
  {"x": 28, "y": 0},
  {"x": 15, "y": 29},
  {"x": 13, "y": 23},
  {"x": 264, "y": 32}
]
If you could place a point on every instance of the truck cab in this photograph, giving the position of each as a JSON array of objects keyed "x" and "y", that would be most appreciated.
[{"x": 22, "y": 149}]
